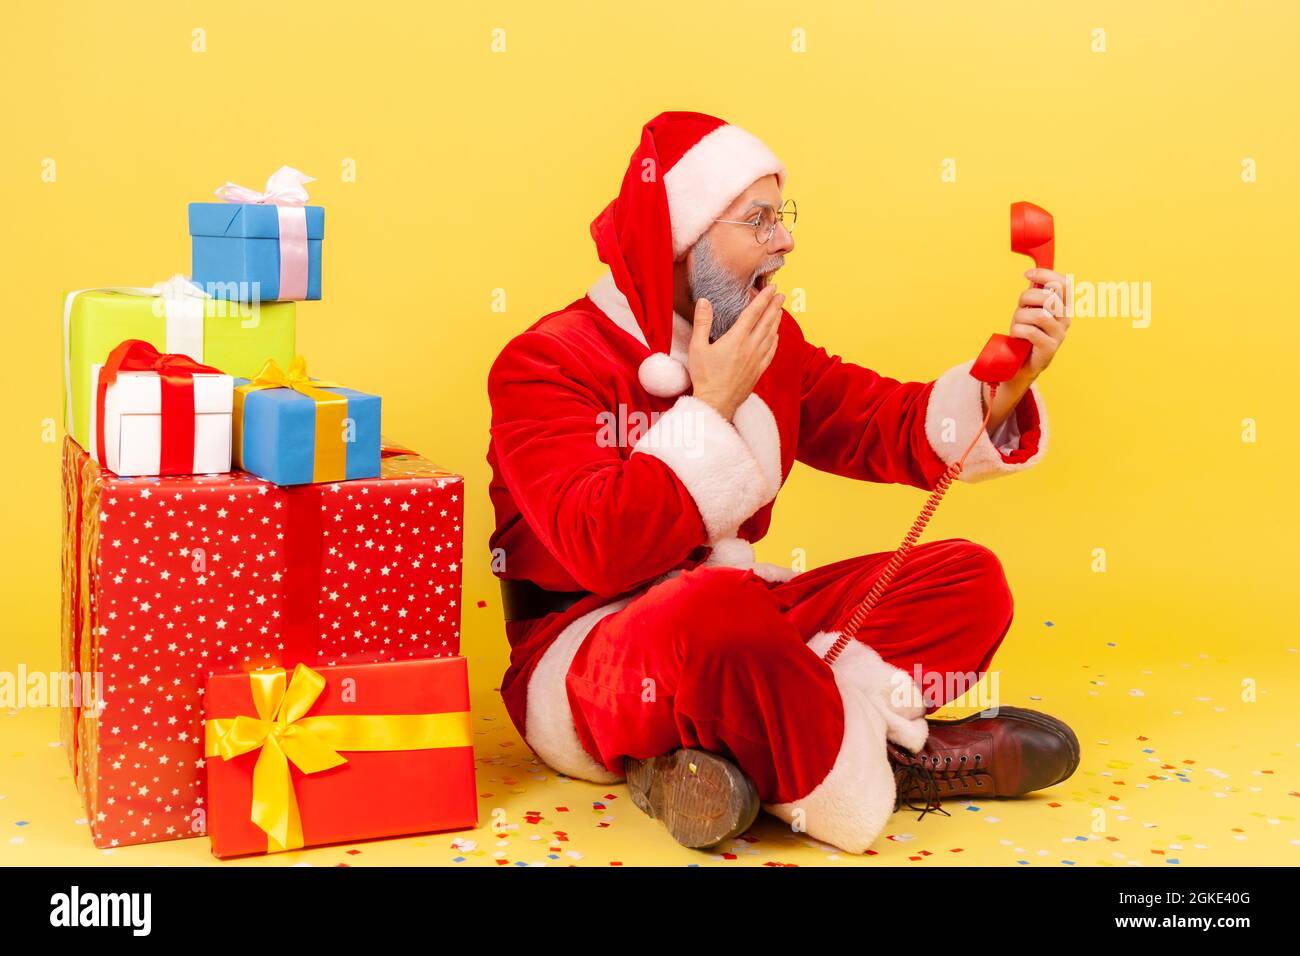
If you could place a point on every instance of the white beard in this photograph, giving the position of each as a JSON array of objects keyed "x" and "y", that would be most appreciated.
[{"x": 709, "y": 280}]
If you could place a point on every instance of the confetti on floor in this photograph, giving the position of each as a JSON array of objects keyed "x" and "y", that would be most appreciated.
[{"x": 1176, "y": 770}]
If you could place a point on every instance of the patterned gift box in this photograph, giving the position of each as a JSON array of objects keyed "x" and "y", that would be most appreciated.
[
  {"x": 343, "y": 753},
  {"x": 166, "y": 580}
]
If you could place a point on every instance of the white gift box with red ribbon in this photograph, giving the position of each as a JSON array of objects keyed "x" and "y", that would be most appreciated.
[{"x": 133, "y": 422}]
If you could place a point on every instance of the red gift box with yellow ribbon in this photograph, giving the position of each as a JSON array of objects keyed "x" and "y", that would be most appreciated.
[{"x": 337, "y": 754}]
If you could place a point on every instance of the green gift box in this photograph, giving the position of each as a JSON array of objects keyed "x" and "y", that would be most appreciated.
[{"x": 173, "y": 317}]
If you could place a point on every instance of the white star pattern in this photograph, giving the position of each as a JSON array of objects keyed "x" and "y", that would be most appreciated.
[{"x": 214, "y": 580}]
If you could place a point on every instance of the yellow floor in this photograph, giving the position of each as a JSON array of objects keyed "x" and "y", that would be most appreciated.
[{"x": 1178, "y": 770}]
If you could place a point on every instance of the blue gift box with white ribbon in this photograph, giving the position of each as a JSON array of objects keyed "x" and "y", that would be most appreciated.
[{"x": 259, "y": 246}]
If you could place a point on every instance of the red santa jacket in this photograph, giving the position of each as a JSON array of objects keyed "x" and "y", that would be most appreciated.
[{"x": 599, "y": 485}]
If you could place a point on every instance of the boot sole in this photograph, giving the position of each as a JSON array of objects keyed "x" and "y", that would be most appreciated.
[
  {"x": 701, "y": 798},
  {"x": 1038, "y": 719}
]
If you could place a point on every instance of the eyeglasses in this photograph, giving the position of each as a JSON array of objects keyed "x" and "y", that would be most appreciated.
[{"x": 764, "y": 220}]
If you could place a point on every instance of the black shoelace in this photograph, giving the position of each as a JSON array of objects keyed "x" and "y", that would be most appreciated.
[{"x": 905, "y": 775}]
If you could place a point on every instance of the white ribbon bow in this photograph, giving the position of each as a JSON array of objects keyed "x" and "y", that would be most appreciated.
[
  {"x": 284, "y": 187},
  {"x": 182, "y": 309},
  {"x": 177, "y": 286}
]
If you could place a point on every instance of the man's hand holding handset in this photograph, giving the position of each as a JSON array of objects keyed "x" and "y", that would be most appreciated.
[{"x": 1039, "y": 318}]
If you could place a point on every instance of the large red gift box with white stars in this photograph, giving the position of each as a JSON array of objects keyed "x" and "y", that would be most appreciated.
[{"x": 169, "y": 579}]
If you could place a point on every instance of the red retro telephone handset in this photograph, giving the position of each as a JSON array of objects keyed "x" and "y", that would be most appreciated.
[{"x": 1032, "y": 234}]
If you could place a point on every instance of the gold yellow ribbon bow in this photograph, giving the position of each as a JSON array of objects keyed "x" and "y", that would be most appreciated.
[
  {"x": 330, "y": 453},
  {"x": 285, "y": 734}
]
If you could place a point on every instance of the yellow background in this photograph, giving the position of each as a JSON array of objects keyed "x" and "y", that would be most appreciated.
[{"x": 478, "y": 171}]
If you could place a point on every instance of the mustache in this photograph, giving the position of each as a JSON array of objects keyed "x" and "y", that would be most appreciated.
[{"x": 768, "y": 265}]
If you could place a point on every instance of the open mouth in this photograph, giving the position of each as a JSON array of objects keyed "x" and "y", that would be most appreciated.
[{"x": 761, "y": 281}]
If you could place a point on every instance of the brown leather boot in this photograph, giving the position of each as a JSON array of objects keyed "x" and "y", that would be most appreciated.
[
  {"x": 702, "y": 798},
  {"x": 1009, "y": 755}
]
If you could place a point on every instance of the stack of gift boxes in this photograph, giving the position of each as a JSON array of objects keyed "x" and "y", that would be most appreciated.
[{"x": 266, "y": 590}]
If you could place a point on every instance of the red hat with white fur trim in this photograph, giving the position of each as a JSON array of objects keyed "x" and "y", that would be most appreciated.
[{"x": 688, "y": 168}]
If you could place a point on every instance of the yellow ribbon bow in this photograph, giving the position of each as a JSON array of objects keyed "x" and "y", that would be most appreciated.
[
  {"x": 285, "y": 734},
  {"x": 330, "y": 453}
]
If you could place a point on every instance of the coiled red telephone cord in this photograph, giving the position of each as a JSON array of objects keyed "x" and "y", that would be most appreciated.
[{"x": 859, "y": 615}]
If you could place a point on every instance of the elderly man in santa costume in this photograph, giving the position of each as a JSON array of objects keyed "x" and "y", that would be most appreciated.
[{"x": 636, "y": 456}]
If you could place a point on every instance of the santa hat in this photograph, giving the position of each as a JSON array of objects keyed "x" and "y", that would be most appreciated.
[{"x": 688, "y": 168}]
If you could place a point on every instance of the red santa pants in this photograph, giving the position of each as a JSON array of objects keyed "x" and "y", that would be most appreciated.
[{"x": 715, "y": 658}]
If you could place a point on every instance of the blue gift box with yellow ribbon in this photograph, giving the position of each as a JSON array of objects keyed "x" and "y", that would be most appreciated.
[{"x": 294, "y": 430}]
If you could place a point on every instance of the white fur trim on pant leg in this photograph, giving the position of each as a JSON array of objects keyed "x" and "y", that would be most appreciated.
[
  {"x": 854, "y": 801},
  {"x": 706, "y": 452},
  {"x": 954, "y": 416},
  {"x": 547, "y": 716},
  {"x": 709, "y": 176},
  {"x": 891, "y": 689}
]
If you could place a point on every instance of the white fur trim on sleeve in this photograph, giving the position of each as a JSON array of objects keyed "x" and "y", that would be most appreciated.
[
  {"x": 739, "y": 553},
  {"x": 954, "y": 416},
  {"x": 773, "y": 573},
  {"x": 731, "y": 553},
  {"x": 706, "y": 452},
  {"x": 757, "y": 425}
]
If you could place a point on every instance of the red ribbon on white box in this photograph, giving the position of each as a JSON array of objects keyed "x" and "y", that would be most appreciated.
[
  {"x": 176, "y": 413},
  {"x": 285, "y": 189}
]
